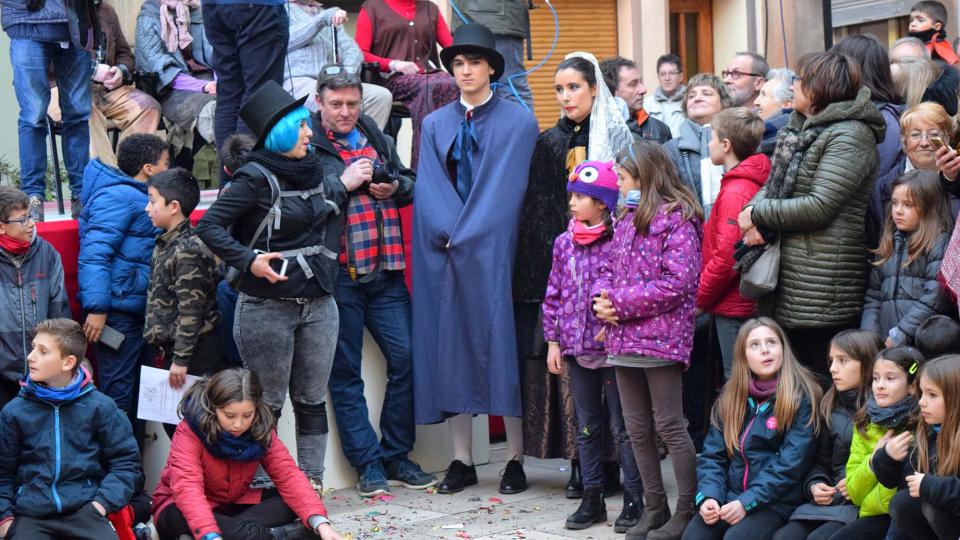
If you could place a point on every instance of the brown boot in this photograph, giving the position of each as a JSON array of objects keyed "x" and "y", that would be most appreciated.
[
  {"x": 656, "y": 512},
  {"x": 674, "y": 528}
]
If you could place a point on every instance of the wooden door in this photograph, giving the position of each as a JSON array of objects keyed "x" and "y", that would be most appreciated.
[{"x": 691, "y": 35}]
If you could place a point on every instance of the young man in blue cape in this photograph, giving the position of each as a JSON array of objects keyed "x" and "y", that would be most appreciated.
[{"x": 474, "y": 159}]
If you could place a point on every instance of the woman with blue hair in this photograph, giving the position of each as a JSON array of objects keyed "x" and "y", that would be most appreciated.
[{"x": 277, "y": 226}]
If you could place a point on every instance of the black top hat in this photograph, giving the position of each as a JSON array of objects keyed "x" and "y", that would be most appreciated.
[
  {"x": 476, "y": 39},
  {"x": 267, "y": 106}
]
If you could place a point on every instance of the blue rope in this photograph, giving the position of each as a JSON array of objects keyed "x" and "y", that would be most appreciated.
[{"x": 458, "y": 12}]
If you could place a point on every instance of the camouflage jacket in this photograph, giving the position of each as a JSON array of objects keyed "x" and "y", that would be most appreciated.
[{"x": 182, "y": 299}]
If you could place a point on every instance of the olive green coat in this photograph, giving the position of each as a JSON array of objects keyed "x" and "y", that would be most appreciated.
[
  {"x": 503, "y": 17},
  {"x": 823, "y": 258}
]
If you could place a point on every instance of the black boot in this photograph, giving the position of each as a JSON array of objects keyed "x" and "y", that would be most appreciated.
[
  {"x": 292, "y": 531},
  {"x": 656, "y": 513},
  {"x": 592, "y": 510},
  {"x": 632, "y": 508},
  {"x": 575, "y": 484},
  {"x": 611, "y": 478},
  {"x": 514, "y": 480}
]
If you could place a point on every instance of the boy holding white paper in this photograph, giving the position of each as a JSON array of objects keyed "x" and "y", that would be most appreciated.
[{"x": 182, "y": 315}]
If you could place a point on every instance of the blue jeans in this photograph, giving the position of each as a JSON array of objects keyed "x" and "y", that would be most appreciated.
[
  {"x": 383, "y": 306},
  {"x": 227, "y": 302},
  {"x": 512, "y": 50},
  {"x": 118, "y": 371},
  {"x": 72, "y": 72}
]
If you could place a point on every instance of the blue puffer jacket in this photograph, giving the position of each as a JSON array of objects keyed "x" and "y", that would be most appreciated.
[
  {"x": 116, "y": 242},
  {"x": 31, "y": 290},
  {"x": 767, "y": 470},
  {"x": 58, "y": 455}
]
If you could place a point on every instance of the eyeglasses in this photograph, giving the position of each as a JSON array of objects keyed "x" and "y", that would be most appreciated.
[
  {"x": 917, "y": 136},
  {"x": 795, "y": 79},
  {"x": 669, "y": 73},
  {"x": 736, "y": 74},
  {"x": 22, "y": 221}
]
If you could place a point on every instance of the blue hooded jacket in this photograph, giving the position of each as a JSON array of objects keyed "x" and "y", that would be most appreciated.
[
  {"x": 63, "y": 448},
  {"x": 116, "y": 242}
]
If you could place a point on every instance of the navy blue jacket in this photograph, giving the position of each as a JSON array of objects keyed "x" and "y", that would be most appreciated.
[
  {"x": 57, "y": 457},
  {"x": 768, "y": 469},
  {"x": 116, "y": 242}
]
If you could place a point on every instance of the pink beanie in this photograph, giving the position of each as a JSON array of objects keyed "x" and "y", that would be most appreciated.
[{"x": 598, "y": 179}]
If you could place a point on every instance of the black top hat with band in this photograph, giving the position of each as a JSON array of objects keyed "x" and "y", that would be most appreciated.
[
  {"x": 474, "y": 38},
  {"x": 267, "y": 106}
]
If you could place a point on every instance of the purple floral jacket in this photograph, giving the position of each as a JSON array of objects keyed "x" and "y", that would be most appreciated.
[
  {"x": 568, "y": 316},
  {"x": 652, "y": 281}
]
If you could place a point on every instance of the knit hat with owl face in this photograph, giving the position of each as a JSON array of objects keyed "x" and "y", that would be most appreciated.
[{"x": 598, "y": 179}]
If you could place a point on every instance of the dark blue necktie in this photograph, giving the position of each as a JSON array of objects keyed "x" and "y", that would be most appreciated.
[{"x": 463, "y": 151}]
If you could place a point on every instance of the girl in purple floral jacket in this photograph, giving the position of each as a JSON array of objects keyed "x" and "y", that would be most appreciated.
[
  {"x": 646, "y": 295},
  {"x": 571, "y": 330}
]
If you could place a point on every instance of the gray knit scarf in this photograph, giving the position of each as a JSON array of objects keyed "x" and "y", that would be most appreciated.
[{"x": 792, "y": 144}]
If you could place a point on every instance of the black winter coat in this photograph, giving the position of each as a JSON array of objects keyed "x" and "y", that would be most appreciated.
[
  {"x": 651, "y": 130},
  {"x": 904, "y": 297},
  {"x": 943, "y": 491}
]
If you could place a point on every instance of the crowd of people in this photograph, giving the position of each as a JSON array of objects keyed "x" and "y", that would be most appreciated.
[{"x": 776, "y": 246}]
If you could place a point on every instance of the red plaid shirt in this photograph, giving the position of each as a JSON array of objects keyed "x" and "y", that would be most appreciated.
[{"x": 361, "y": 256}]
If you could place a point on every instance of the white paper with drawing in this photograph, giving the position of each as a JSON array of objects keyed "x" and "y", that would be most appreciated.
[{"x": 158, "y": 400}]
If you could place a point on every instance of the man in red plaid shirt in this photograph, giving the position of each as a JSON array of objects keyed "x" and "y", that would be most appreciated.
[{"x": 371, "y": 290}]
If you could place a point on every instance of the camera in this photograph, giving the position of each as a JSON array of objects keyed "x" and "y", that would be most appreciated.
[{"x": 385, "y": 173}]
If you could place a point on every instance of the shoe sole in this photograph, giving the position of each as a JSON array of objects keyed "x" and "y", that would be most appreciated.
[
  {"x": 448, "y": 491},
  {"x": 623, "y": 528},
  {"x": 378, "y": 491},
  {"x": 573, "y": 494},
  {"x": 575, "y": 526},
  {"x": 401, "y": 483},
  {"x": 513, "y": 491}
]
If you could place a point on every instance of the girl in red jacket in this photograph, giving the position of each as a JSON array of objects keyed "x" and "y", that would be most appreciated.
[
  {"x": 733, "y": 144},
  {"x": 204, "y": 491}
]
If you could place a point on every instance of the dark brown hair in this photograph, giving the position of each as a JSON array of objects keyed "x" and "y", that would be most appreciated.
[
  {"x": 828, "y": 77},
  {"x": 657, "y": 179},
  {"x": 935, "y": 10},
  {"x": 222, "y": 389},
  {"x": 874, "y": 62},
  {"x": 928, "y": 197},
  {"x": 69, "y": 337},
  {"x": 859, "y": 345},
  {"x": 11, "y": 200},
  {"x": 944, "y": 373},
  {"x": 743, "y": 127},
  {"x": 909, "y": 360},
  {"x": 582, "y": 66}
]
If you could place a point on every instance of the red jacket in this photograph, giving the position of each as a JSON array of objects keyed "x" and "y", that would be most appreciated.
[
  {"x": 197, "y": 482},
  {"x": 943, "y": 50},
  {"x": 719, "y": 291}
]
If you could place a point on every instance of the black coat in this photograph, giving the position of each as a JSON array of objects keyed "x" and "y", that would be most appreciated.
[
  {"x": 651, "y": 130},
  {"x": 833, "y": 446},
  {"x": 943, "y": 491}
]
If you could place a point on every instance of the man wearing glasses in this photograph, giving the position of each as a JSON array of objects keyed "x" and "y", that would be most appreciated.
[
  {"x": 744, "y": 77},
  {"x": 667, "y": 103},
  {"x": 31, "y": 287}
]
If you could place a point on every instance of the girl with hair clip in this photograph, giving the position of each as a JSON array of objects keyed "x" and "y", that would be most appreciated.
[
  {"x": 904, "y": 290},
  {"x": 574, "y": 338},
  {"x": 646, "y": 295},
  {"x": 204, "y": 491},
  {"x": 928, "y": 503},
  {"x": 761, "y": 440},
  {"x": 888, "y": 410},
  {"x": 826, "y": 510}
]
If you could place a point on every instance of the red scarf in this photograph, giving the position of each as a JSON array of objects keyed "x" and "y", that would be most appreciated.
[
  {"x": 17, "y": 247},
  {"x": 584, "y": 234}
]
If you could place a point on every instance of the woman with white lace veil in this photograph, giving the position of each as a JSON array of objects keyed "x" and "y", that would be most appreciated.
[{"x": 590, "y": 127}]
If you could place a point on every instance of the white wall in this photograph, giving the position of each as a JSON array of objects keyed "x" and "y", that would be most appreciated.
[{"x": 8, "y": 106}]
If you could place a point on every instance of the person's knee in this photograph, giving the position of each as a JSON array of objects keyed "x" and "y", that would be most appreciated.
[{"x": 311, "y": 417}]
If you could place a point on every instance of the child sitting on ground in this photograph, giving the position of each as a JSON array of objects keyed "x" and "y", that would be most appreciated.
[
  {"x": 31, "y": 287},
  {"x": 116, "y": 241},
  {"x": 927, "y": 20},
  {"x": 228, "y": 432},
  {"x": 182, "y": 316},
  {"x": 67, "y": 454}
]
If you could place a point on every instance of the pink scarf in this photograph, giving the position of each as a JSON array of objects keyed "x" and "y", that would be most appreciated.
[
  {"x": 950, "y": 267},
  {"x": 584, "y": 234},
  {"x": 175, "y": 23}
]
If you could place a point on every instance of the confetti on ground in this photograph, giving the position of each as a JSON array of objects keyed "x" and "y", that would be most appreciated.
[
  {"x": 463, "y": 534},
  {"x": 496, "y": 500},
  {"x": 431, "y": 490},
  {"x": 452, "y": 526},
  {"x": 474, "y": 499}
]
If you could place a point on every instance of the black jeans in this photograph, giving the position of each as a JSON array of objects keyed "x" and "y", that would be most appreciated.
[
  {"x": 249, "y": 48},
  {"x": 802, "y": 529},
  {"x": 235, "y": 521},
  {"x": 916, "y": 520},
  {"x": 865, "y": 528},
  {"x": 85, "y": 523},
  {"x": 759, "y": 525},
  {"x": 703, "y": 356}
]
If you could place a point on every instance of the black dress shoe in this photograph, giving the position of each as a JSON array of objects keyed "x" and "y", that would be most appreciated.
[
  {"x": 574, "y": 488},
  {"x": 458, "y": 477},
  {"x": 513, "y": 480}
]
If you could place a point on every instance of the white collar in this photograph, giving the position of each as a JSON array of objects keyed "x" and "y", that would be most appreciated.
[{"x": 472, "y": 107}]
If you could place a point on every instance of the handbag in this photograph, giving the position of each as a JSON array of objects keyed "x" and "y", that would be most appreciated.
[{"x": 761, "y": 279}]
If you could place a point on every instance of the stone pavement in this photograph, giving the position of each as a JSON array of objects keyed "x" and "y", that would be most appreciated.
[{"x": 479, "y": 512}]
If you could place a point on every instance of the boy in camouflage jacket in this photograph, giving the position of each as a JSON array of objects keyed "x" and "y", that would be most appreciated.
[{"x": 182, "y": 315}]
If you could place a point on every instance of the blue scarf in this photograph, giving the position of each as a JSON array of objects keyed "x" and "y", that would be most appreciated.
[
  {"x": 463, "y": 149},
  {"x": 894, "y": 416},
  {"x": 59, "y": 395},
  {"x": 227, "y": 446}
]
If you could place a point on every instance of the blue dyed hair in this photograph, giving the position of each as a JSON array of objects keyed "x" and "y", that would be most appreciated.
[{"x": 284, "y": 134}]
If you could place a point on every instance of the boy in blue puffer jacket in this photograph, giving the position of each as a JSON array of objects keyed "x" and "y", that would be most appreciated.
[
  {"x": 116, "y": 245},
  {"x": 67, "y": 454}
]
